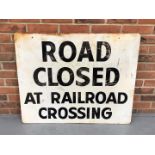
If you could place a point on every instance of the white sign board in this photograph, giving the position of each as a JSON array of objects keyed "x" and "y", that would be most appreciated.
[{"x": 77, "y": 78}]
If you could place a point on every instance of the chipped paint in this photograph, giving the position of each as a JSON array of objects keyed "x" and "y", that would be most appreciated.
[{"x": 122, "y": 55}]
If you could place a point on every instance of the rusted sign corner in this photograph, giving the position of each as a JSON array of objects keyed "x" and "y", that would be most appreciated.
[{"x": 19, "y": 36}]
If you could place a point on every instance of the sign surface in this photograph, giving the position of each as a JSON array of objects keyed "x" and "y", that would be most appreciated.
[{"x": 76, "y": 78}]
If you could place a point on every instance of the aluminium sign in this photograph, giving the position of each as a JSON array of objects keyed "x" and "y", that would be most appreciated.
[{"x": 76, "y": 78}]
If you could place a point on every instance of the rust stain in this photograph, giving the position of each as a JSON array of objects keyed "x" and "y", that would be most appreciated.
[{"x": 19, "y": 36}]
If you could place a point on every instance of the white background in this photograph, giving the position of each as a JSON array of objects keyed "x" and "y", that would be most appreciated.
[{"x": 124, "y": 57}]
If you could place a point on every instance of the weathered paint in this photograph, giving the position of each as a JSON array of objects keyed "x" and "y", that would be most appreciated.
[{"x": 124, "y": 56}]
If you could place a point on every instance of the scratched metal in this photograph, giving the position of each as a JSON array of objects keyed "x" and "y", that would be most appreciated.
[{"x": 124, "y": 56}]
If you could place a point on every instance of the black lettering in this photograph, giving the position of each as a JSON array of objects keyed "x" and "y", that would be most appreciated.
[
  {"x": 90, "y": 97},
  {"x": 95, "y": 113},
  {"x": 81, "y": 112},
  {"x": 36, "y": 78},
  {"x": 96, "y": 76},
  {"x": 62, "y": 113},
  {"x": 66, "y": 98},
  {"x": 50, "y": 78},
  {"x": 49, "y": 53},
  {"x": 72, "y": 111},
  {"x": 99, "y": 51},
  {"x": 30, "y": 98},
  {"x": 52, "y": 113},
  {"x": 111, "y": 98},
  {"x": 55, "y": 97},
  {"x": 38, "y": 96},
  {"x": 120, "y": 96},
  {"x": 106, "y": 113},
  {"x": 62, "y": 51},
  {"x": 116, "y": 78},
  {"x": 103, "y": 97},
  {"x": 59, "y": 76},
  {"x": 82, "y": 76},
  {"x": 41, "y": 113},
  {"x": 85, "y": 47}
]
